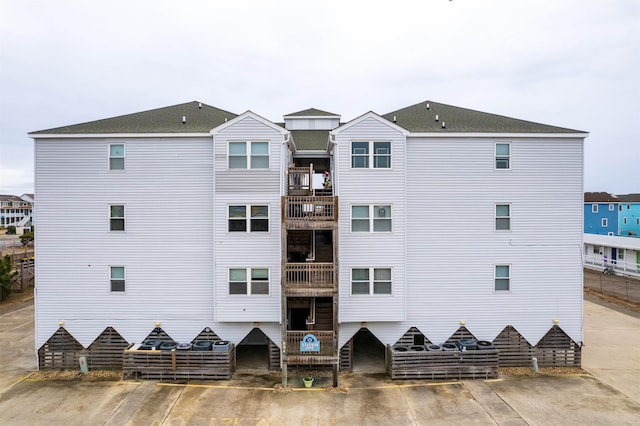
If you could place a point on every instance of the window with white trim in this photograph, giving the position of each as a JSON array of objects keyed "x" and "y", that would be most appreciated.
[
  {"x": 370, "y": 281},
  {"x": 503, "y": 156},
  {"x": 116, "y": 217},
  {"x": 371, "y": 155},
  {"x": 621, "y": 254},
  {"x": 503, "y": 217},
  {"x": 116, "y": 156},
  {"x": 594, "y": 208},
  {"x": 502, "y": 278},
  {"x": 371, "y": 218},
  {"x": 248, "y": 155},
  {"x": 611, "y": 207},
  {"x": 605, "y": 222},
  {"x": 248, "y": 281},
  {"x": 248, "y": 218},
  {"x": 117, "y": 278}
]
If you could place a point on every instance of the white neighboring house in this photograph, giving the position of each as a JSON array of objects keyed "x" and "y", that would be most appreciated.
[
  {"x": 620, "y": 253},
  {"x": 435, "y": 221},
  {"x": 16, "y": 211}
]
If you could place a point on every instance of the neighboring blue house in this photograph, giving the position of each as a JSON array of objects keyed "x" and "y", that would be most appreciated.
[
  {"x": 601, "y": 213},
  {"x": 629, "y": 215}
]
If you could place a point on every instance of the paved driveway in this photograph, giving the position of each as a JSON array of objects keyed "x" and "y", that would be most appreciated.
[{"x": 250, "y": 399}]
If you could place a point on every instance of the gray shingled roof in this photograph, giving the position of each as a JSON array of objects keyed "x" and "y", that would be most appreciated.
[
  {"x": 419, "y": 118},
  {"x": 312, "y": 112},
  {"x": 200, "y": 118},
  {"x": 310, "y": 140},
  {"x": 629, "y": 198}
]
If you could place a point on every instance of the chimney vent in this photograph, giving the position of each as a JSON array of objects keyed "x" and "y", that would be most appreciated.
[
  {"x": 444, "y": 125},
  {"x": 199, "y": 105},
  {"x": 427, "y": 106},
  {"x": 184, "y": 119},
  {"x": 394, "y": 119},
  {"x": 436, "y": 117}
]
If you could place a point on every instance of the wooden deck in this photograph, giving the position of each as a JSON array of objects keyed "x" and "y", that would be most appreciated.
[{"x": 309, "y": 212}]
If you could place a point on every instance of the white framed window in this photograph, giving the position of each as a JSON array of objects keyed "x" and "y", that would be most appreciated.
[
  {"x": 371, "y": 155},
  {"x": 503, "y": 156},
  {"x": 610, "y": 234},
  {"x": 116, "y": 156},
  {"x": 621, "y": 254},
  {"x": 117, "y": 278},
  {"x": 248, "y": 155},
  {"x": 248, "y": 218},
  {"x": 605, "y": 222},
  {"x": 248, "y": 281},
  {"x": 503, "y": 217},
  {"x": 371, "y": 281},
  {"x": 371, "y": 218},
  {"x": 502, "y": 278},
  {"x": 116, "y": 217},
  {"x": 611, "y": 207},
  {"x": 594, "y": 208}
]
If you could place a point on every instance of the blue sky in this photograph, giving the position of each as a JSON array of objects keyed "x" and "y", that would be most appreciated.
[{"x": 570, "y": 63}]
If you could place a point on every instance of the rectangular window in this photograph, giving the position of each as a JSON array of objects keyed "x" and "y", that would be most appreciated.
[
  {"x": 117, "y": 277},
  {"x": 611, "y": 207},
  {"x": 258, "y": 284},
  {"x": 248, "y": 218},
  {"x": 116, "y": 157},
  {"x": 624, "y": 220},
  {"x": 371, "y": 154},
  {"x": 503, "y": 156},
  {"x": 503, "y": 217},
  {"x": 370, "y": 281},
  {"x": 638, "y": 221},
  {"x": 248, "y": 155},
  {"x": 605, "y": 222},
  {"x": 502, "y": 278},
  {"x": 620, "y": 254},
  {"x": 610, "y": 234},
  {"x": 116, "y": 218},
  {"x": 371, "y": 218},
  {"x": 594, "y": 208}
]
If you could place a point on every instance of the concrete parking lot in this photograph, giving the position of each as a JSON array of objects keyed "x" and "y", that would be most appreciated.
[{"x": 606, "y": 394}]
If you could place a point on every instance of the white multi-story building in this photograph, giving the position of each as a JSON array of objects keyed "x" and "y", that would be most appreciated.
[
  {"x": 414, "y": 226},
  {"x": 16, "y": 211}
]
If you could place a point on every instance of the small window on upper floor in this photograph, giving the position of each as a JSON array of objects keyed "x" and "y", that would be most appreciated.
[
  {"x": 248, "y": 218},
  {"x": 116, "y": 218},
  {"x": 503, "y": 156},
  {"x": 116, "y": 157},
  {"x": 371, "y": 218},
  {"x": 248, "y": 155},
  {"x": 594, "y": 208},
  {"x": 371, "y": 155},
  {"x": 249, "y": 281},
  {"x": 503, "y": 217},
  {"x": 502, "y": 278},
  {"x": 611, "y": 207},
  {"x": 117, "y": 278}
]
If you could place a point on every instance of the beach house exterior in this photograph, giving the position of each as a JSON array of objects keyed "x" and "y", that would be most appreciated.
[{"x": 412, "y": 227}]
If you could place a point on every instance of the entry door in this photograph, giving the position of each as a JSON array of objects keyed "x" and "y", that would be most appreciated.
[{"x": 614, "y": 255}]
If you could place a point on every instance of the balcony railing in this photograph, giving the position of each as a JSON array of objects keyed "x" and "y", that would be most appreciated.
[
  {"x": 309, "y": 275},
  {"x": 299, "y": 180},
  {"x": 311, "y": 208},
  {"x": 327, "y": 341}
]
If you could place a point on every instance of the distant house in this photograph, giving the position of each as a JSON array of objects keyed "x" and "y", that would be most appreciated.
[
  {"x": 16, "y": 211},
  {"x": 620, "y": 253},
  {"x": 629, "y": 215},
  {"x": 423, "y": 225},
  {"x": 600, "y": 213}
]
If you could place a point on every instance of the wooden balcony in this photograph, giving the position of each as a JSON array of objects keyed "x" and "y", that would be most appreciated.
[
  {"x": 309, "y": 279},
  {"x": 326, "y": 355},
  {"x": 310, "y": 212}
]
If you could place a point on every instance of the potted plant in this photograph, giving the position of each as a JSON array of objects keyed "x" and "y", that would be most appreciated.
[{"x": 308, "y": 382}]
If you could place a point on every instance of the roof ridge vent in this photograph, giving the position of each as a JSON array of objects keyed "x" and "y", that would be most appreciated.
[
  {"x": 437, "y": 117},
  {"x": 184, "y": 119}
]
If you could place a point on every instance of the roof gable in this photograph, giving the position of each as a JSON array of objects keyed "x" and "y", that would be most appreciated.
[
  {"x": 363, "y": 117},
  {"x": 190, "y": 117},
  {"x": 429, "y": 116},
  {"x": 249, "y": 114}
]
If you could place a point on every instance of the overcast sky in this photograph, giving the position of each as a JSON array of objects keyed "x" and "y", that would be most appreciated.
[{"x": 570, "y": 63}]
